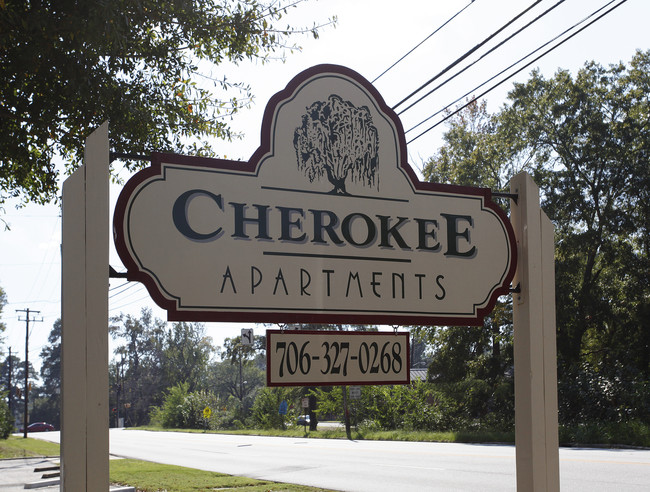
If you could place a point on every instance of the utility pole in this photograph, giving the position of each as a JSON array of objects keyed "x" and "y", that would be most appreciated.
[
  {"x": 9, "y": 389},
  {"x": 27, "y": 320}
]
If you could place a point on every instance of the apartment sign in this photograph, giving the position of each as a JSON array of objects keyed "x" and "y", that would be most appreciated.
[{"x": 326, "y": 222}]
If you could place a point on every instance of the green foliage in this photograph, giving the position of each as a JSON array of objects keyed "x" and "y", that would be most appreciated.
[
  {"x": 186, "y": 352},
  {"x": 170, "y": 413},
  {"x": 184, "y": 410},
  {"x": 18, "y": 447},
  {"x": 145, "y": 475},
  {"x": 148, "y": 68},
  {"x": 603, "y": 394},
  {"x": 420, "y": 406},
  {"x": 265, "y": 412},
  {"x": 630, "y": 433},
  {"x": 3, "y": 302},
  {"x": 47, "y": 402},
  {"x": 153, "y": 358},
  {"x": 17, "y": 367},
  {"x": 584, "y": 139},
  {"x": 588, "y": 138},
  {"x": 6, "y": 419}
]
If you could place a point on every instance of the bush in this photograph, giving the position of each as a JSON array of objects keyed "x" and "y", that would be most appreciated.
[
  {"x": 633, "y": 433},
  {"x": 265, "y": 412},
  {"x": 170, "y": 413},
  {"x": 6, "y": 419},
  {"x": 615, "y": 393}
]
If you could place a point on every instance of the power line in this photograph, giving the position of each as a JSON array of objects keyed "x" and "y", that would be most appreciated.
[
  {"x": 507, "y": 68},
  {"x": 424, "y": 40},
  {"x": 467, "y": 53},
  {"x": 525, "y": 66},
  {"x": 129, "y": 303},
  {"x": 126, "y": 285},
  {"x": 482, "y": 56}
]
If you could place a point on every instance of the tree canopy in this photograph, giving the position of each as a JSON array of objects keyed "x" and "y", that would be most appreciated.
[
  {"x": 150, "y": 68},
  {"x": 3, "y": 302},
  {"x": 585, "y": 138}
]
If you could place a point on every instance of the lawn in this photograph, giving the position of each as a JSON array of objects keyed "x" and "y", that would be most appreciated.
[{"x": 151, "y": 477}]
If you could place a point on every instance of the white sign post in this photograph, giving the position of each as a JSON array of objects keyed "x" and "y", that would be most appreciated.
[
  {"x": 535, "y": 356},
  {"x": 84, "y": 340}
]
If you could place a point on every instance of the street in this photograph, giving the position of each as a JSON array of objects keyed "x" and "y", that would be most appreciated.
[{"x": 376, "y": 465}]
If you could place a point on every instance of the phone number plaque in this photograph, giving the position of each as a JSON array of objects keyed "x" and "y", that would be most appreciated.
[{"x": 327, "y": 358}]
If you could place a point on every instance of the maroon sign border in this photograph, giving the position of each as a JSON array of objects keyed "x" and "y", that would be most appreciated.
[
  {"x": 269, "y": 334},
  {"x": 135, "y": 274}
]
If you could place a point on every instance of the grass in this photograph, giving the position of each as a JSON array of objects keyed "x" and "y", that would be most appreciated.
[
  {"x": 150, "y": 477},
  {"x": 633, "y": 433},
  {"x": 394, "y": 435},
  {"x": 18, "y": 447},
  {"x": 147, "y": 476}
]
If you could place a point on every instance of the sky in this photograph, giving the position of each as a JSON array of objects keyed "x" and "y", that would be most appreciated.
[{"x": 370, "y": 35}]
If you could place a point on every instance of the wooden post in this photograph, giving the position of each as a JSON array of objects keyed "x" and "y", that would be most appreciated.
[
  {"x": 84, "y": 344},
  {"x": 536, "y": 426}
]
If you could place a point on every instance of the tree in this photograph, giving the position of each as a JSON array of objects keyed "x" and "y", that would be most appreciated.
[
  {"x": 186, "y": 355},
  {"x": 47, "y": 405},
  {"x": 588, "y": 136},
  {"x": 3, "y": 302},
  {"x": 585, "y": 139},
  {"x": 14, "y": 369},
  {"x": 150, "y": 68},
  {"x": 473, "y": 154},
  {"x": 138, "y": 370},
  {"x": 241, "y": 372},
  {"x": 153, "y": 359},
  {"x": 337, "y": 139}
]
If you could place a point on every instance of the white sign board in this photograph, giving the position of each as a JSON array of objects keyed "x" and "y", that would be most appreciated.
[
  {"x": 322, "y": 358},
  {"x": 247, "y": 336},
  {"x": 326, "y": 222},
  {"x": 355, "y": 392}
]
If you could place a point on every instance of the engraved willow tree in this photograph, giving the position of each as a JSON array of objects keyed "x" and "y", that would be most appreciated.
[{"x": 337, "y": 140}]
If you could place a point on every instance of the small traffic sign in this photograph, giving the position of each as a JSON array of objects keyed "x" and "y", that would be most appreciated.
[
  {"x": 207, "y": 412},
  {"x": 247, "y": 336},
  {"x": 283, "y": 407}
]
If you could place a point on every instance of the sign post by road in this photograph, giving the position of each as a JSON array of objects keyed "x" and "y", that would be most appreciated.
[
  {"x": 535, "y": 356},
  {"x": 84, "y": 337}
]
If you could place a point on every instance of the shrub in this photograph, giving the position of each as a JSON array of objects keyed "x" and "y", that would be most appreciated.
[
  {"x": 183, "y": 410},
  {"x": 6, "y": 419},
  {"x": 265, "y": 414}
]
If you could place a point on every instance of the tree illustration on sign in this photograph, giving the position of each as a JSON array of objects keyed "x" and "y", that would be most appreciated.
[{"x": 337, "y": 140}]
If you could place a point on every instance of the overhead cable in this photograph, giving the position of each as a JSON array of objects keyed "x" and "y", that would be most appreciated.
[
  {"x": 524, "y": 67},
  {"x": 468, "y": 53},
  {"x": 424, "y": 40},
  {"x": 126, "y": 286},
  {"x": 555, "y": 38},
  {"x": 482, "y": 56},
  {"x": 129, "y": 303}
]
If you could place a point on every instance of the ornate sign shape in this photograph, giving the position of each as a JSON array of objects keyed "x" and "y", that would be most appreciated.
[{"x": 326, "y": 222}]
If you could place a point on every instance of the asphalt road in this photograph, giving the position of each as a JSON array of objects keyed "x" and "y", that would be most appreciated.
[{"x": 377, "y": 465}]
